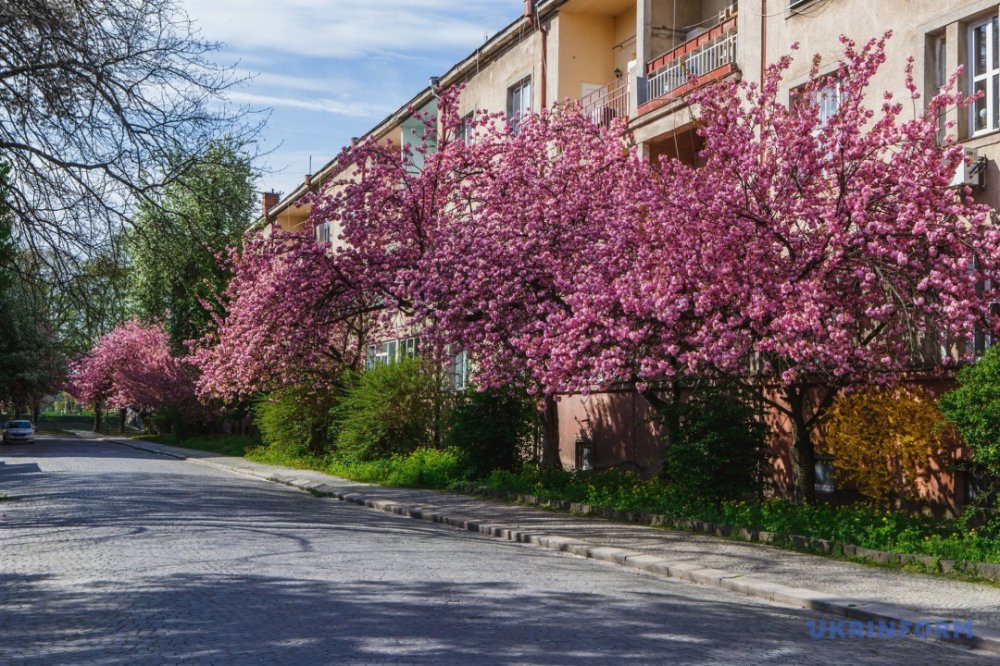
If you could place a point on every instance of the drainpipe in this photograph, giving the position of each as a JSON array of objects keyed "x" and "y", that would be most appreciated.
[{"x": 531, "y": 11}]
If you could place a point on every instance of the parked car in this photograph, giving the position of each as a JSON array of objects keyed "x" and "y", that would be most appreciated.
[{"x": 19, "y": 432}]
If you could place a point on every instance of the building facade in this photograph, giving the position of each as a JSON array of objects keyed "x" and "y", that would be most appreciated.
[{"x": 638, "y": 59}]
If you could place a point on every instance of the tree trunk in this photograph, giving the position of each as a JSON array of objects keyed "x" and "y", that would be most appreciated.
[
  {"x": 802, "y": 453},
  {"x": 121, "y": 421},
  {"x": 550, "y": 435},
  {"x": 668, "y": 417},
  {"x": 97, "y": 418},
  {"x": 36, "y": 412}
]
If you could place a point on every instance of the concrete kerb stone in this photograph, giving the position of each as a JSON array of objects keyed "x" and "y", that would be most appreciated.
[
  {"x": 611, "y": 554},
  {"x": 985, "y": 639}
]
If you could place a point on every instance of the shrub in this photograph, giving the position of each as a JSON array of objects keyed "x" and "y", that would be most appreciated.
[
  {"x": 392, "y": 409},
  {"x": 424, "y": 468},
  {"x": 718, "y": 447},
  {"x": 294, "y": 422},
  {"x": 492, "y": 429},
  {"x": 884, "y": 439},
  {"x": 974, "y": 409}
]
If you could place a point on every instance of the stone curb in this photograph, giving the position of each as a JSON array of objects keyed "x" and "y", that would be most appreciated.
[
  {"x": 852, "y": 609},
  {"x": 985, "y": 570}
]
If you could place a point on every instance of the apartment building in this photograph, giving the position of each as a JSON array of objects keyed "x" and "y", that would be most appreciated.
[{"x": 635, "y": 59}]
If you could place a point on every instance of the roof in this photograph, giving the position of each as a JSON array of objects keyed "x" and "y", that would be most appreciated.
[{"x": 513, "y": 33}]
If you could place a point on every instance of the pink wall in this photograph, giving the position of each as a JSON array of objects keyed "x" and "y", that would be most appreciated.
[{"x": 619, "y": 425}]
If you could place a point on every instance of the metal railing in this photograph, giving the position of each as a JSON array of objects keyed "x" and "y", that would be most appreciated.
[
  {"x": 705, "y": 59},
  {"x": 605, "y": 104}
]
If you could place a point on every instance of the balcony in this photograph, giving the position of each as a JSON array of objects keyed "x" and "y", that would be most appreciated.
[
  {"x": 704, "y": 59},
  {"x": 608, "y": 103}
]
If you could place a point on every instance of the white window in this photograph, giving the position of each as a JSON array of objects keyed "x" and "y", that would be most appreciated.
[
  {"x": 390, "y": 352},
  {"x": 828, "y": 100},
  {"x": 460, "y": 371},
  {"x": 984, "y": 74},
  {"x": 408, "y": 348},
  {"x": 466, "y": 131},
  {"x": 939, "y": 65},
  {"x": 518, "y": 101},
  {"x": 323, "y": 232},
  {"x": 825, "y": 99}
]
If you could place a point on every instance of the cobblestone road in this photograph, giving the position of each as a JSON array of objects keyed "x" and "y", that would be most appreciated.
[{"x": 112, "y": 556}]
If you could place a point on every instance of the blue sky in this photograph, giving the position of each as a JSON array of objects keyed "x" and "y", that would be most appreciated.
[{"x": 331, "y": 69}]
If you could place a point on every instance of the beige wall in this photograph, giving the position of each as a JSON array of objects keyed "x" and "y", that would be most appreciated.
[
  {"x": 487, "y": 88},
  {"x": 585, "y": 53},
  {"x": 624, "y": 43}
]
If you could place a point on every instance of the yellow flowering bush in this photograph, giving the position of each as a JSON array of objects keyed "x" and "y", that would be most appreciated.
[{"x": 884, "y": 440}]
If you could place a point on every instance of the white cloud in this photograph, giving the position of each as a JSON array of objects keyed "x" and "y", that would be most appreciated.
[
  {"x": 272, "y": 80},
  {"x": 337, "y": 107},
  {"x": 348, "y": 28}
]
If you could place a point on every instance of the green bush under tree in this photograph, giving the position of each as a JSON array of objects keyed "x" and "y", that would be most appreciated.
[
  {"x": 391, "y": 410},
  {"x": 493, "y": 429},
  {"x": 718, "y": 445},
  {"x": 294, "y": 421}
]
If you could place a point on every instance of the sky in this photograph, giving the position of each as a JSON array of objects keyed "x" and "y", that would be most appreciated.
[{"x": 329, "y": 70}]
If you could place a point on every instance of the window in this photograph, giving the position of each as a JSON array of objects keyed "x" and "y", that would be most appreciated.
[
  {"x": 939, "y": 72},
  {"x": 391, "y": 352},
  {"x": 984, "y": 74},
  {"x": 585, "y": 453},
  {"x": 460, "y": 371},
  {"x": 465, "y": 129},
  {"x": 825, "y": 474},
  {"x": 826, "y": 99},
  {"x": 407, "y": 348},
  {"x": 981, "y": 339},
  {"x": 518, "y": 101},
  {"x": 323, "y": 232}
]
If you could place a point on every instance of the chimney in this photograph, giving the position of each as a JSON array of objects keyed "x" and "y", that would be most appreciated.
[
  {"x": 309, "y": 181},
  {"x": 529, "y": 5},
  {"x": 269, "y": 201}
]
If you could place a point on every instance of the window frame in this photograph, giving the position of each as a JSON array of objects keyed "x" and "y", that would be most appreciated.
[
  {"x": 517, "y": 91},
  {"x": 391, "y": 351},
  {"x": 323, "y": 233},
  {"x": 818, "y": 97},
  {"x": 990, "y": 77},
  {"x": 459, "y": 371}
]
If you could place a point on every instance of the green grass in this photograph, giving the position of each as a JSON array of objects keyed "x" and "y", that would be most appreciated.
[
  {"x": 230, "y": 445},
  {"x": 858, "y": 525},
  {"x": 424, "y": 468}
]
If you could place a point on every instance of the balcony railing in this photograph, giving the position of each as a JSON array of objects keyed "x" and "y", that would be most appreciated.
[
  {"x": 706, "y": 58},
  {"x": 605, "y": 104}
]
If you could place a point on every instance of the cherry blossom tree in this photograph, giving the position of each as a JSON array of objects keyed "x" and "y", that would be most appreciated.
[
  {"x": 824, "y": 252},
  {"x": 293, "y": 317},
  {"x": 498, "y": 244},
  {"x": 805, "y": 255},
  {"x": 132, "y": 367}
]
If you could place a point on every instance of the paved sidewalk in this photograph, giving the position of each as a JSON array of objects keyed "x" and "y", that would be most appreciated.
[{"x": 806, "y": 581}]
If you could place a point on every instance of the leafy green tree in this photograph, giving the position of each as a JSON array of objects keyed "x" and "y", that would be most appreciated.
[
  {"x": 176, "y": 243},
  {"x": 30, "y": 362},
  {"x": 974, "y": 409}
]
